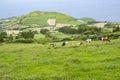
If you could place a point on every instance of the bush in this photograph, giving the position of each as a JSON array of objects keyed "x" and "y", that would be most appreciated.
[
  {"x": 3, "y": 36},
  {"x": 27, "y": 34},
  {"x": 116, "y": 29},
  {"x": 66, "y": 39},
  {"x": 88, "y": 30},
  {"x": 114, "y": 36},
  {"x": 21, "y": 40},
  {"x": 44, "y": 31},
  {"x": 68, "y": 30},
  {"x": 10, "y": 38},
  {"x": 105, "y": 30},
  {"x": 43, "y": 40}
]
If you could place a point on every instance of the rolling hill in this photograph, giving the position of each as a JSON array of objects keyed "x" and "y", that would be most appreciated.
[
  {"x": 38, "y": 19},
  {"x": 87, "y": 19}
]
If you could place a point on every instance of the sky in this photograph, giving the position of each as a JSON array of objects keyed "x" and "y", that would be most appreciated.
[{"x": 100, "y": 10}]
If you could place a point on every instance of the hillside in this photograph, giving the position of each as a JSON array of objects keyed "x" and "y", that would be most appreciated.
[
  {"x": 87, "y": 19},
  {"x": 41, "y": 18},
  {"x": 38, "y": 19}
]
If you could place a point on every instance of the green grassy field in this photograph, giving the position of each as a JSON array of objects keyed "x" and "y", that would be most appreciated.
[
  {"x": 38, "y": 36},
  {"x": 91, "y": 61}
]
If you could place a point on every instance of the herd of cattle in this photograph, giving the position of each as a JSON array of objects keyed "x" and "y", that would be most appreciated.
[{"x": 87, "y": 40}]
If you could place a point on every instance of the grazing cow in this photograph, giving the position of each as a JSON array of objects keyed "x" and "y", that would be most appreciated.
[
  {"x": 88, "y": 40},
  {"x": 53, "y": 44},
  {"x": 64, "y": 43},
  {"x": 104, "y": 39},
  {"x": 80, "y": 43}
]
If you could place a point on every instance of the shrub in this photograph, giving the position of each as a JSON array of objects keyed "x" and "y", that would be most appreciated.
[
  {"x": 3, "y": 36},
  {"x": 10, "y": 38},
  {"x": 21, "y": 40},
  {"x": 43, "y": 40},
  {"x": 68, "y": 30},
  {"x": 114, "y": 36},
  {"x": 27, "y": 34},
  {"x": 44, "y": 31},
  {"x": 66, "y": 39}
]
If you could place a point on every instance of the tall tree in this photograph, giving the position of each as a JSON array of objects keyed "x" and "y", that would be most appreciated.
[{"x": 3, "y": 36}]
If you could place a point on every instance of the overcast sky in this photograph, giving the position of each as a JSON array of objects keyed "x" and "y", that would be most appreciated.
[{"x": 101, "y": 10}]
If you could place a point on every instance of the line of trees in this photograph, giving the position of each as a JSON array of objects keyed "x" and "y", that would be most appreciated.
[
  {"x": 28, "y": 36},
  {"x": 3, "y": 36},
  {"x": 25, "y": 36},
  {"x": 68, "y": 30},
  {"x": 81, "y": 30}
]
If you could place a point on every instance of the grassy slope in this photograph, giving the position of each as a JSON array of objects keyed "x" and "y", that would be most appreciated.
[
  {"x": 87, "y": 19},
  {"x": 38, "y": 36},
  {"x": 90, "y": 61},
  {"x": 41, "y": 18}
]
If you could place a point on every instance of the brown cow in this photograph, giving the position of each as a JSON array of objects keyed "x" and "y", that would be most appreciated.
[
  {"x": 105, "y": 39},
  {"x": 53, "y": 44}
]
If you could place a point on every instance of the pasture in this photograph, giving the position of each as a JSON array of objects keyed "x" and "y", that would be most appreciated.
[{"x": 90, "y": 61}]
